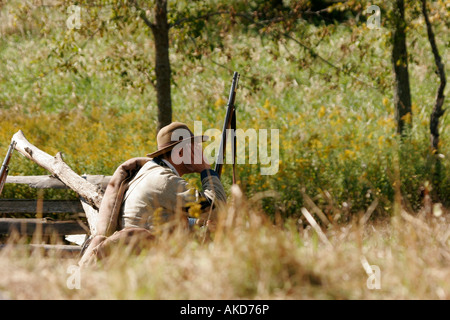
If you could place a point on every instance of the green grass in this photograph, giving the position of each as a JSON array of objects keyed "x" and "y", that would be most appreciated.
[{"x": 337, "y": 129}]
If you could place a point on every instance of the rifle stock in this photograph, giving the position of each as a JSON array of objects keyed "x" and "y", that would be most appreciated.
[
  {"x": 229, "y": 123},
  {"x": 4, "y": 170}
]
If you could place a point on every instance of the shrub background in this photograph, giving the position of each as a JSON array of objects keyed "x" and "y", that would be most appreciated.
[{"x": 90, "y": 96}]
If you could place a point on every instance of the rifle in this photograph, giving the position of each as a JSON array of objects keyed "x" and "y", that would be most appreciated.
[
  {"x": 229, "y": 123},
  {"x": 4, "y": 170}
]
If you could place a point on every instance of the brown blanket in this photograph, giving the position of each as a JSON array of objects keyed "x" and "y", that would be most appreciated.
[{"x": 108, "y": 215}]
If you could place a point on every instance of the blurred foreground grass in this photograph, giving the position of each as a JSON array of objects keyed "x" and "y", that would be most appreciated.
[{"x": 249, "y": 257}]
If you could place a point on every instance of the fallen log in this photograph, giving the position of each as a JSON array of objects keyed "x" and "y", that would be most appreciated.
[{"x": 91, "y": 194}]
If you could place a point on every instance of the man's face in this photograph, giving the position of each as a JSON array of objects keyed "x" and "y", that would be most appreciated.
[
  {"x": 196, "y": 152},
  {"x": 188, "y": 152}
]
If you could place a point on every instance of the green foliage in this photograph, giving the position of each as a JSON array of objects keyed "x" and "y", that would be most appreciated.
[{"x": 89, "y": 93}]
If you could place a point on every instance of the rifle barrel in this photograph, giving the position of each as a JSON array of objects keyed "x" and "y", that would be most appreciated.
[{"x": 226, "y": 124}]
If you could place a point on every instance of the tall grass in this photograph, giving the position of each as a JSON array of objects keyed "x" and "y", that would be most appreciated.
[{"x": 249, "y": 257}]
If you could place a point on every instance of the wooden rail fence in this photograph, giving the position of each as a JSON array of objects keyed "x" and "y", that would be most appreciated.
[{"x": 73, "y": 229}]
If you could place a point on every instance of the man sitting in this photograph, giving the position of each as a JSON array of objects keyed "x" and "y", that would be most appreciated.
[
  {"x": 158, "y": 186},
  {"x": 143, "y": 191}
]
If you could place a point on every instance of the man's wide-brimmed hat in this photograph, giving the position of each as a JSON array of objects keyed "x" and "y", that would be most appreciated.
[{"x": 171, "y": 135}]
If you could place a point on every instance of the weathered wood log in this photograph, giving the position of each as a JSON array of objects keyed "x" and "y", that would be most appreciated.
[
  {"x": 91, "y": 193},
  {"x": 77, "y": 239},
  {"x": 50, "y": 182},
  {"x": 29, "y": 226},
  {"x": 92, "y": 213},
  {"x": 49, "y": 206}
]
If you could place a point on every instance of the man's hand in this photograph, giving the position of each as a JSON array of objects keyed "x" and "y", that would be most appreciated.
[{"x": 210, "y": 224}]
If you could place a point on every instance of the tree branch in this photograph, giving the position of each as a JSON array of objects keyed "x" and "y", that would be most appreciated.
[
  {"x": 204, "y": 16},
  {"x": 313, "y": 53},
  {"x": 143, "y": 16},
  {"x": 292, "y": 14}
]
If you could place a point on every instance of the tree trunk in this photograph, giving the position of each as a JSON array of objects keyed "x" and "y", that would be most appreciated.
[
  {"x": 402, "y": 94},
  {"x": 160, "y": 31},
  {"x": 438, "y": 111}
]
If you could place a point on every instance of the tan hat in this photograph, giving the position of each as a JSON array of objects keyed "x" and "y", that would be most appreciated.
[{"x": 171, "y": 135}]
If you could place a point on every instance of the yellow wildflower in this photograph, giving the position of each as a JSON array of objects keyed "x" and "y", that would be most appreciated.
[
  {"x": 321, "y": 111},
  {"x": 195, "y": 209},
  {"x": 407, "y": 117},
  {"x": 349, "y": 154},
  {"x": 380, "y": 141},
  {"x": 219, "y": 103}
]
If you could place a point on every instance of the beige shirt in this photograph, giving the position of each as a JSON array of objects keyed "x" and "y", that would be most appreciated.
[{"x": 156, "y": 192}]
